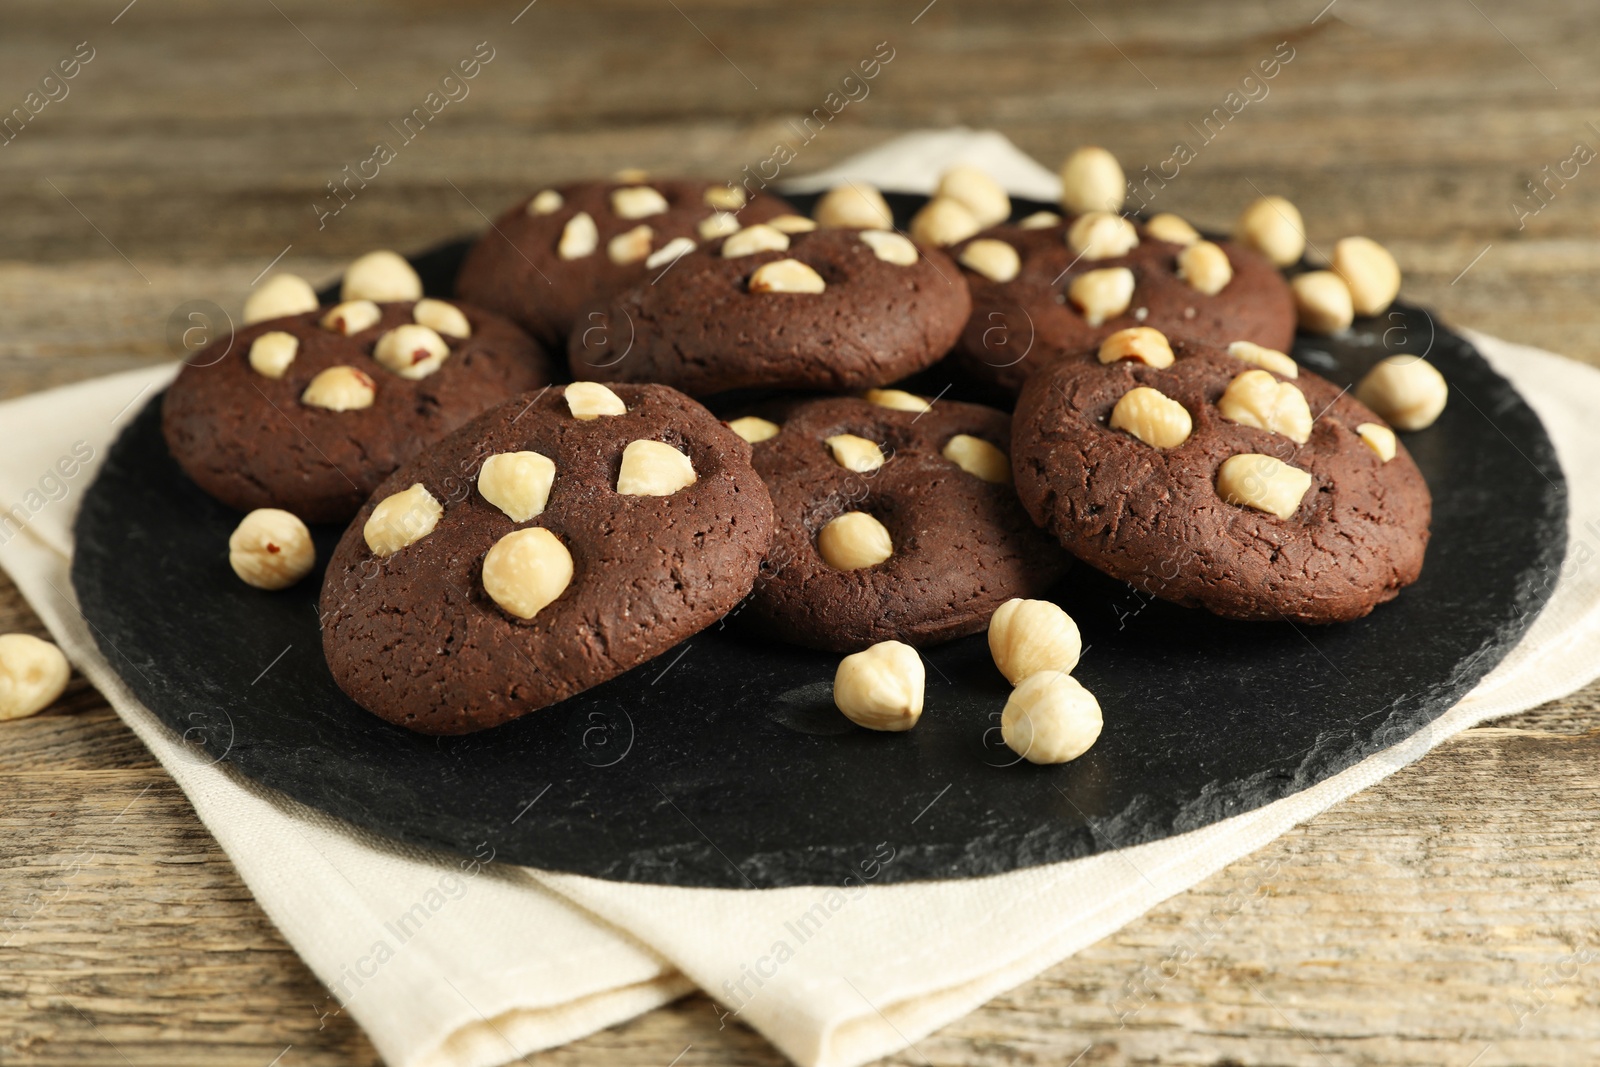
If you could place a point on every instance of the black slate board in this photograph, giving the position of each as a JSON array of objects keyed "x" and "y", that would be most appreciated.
[{"x": 723, "y": 763}]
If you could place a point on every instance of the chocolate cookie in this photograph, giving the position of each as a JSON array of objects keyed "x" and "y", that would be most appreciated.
[
  {"x": 311, "y": 411},
  {"x": 892, "y": 522},
  {"x": 1221, "y": 482},
  {"x": 548, "y": 545},
  {"x": 566, "y": 247},
  {"x": 1026, "y": 312},
  {"x": 828, "y": 309}
]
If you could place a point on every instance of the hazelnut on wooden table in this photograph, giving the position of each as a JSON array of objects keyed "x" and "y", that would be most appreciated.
[
  {"x": 1050, "y": 718},
  {"x": 33, "y": 674},
  {"x": 401, "y": 519},
  {"x": 854, "y": 540},
  {"x": 854, "y": 205},
  {"x": 653, "y": 468},
  {"x": 271, "y": 549},
  {"x": 980, "y": 194},
  {"x": 1092, "y": 180},
  {"x": 380, "y": 276},
  {"x": 1407, "y": 391},
  {"x": 279, "y": 296},
  {"x": 1029, "y": 636},
  {"x": 1322, "y": 301},
  {"x": 1272, "y": 226},
  {"x": 526, "y": 570},
  {"x": 591, "y": 400},
  {"x": 518, "y": 483},
  {"x": 882, "y": 687}
]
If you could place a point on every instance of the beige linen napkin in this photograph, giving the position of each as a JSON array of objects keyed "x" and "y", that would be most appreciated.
[{"x": 453, "y": 962}]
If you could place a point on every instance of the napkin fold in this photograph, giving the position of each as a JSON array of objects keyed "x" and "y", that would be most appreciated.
[{"x": 468, "y": 962}]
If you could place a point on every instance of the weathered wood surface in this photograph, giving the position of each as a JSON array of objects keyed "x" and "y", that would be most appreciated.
[{"x": 1448, "y": 916}]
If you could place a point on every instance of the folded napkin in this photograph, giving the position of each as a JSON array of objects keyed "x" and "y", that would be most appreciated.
[{"x": 450, "y": 962}]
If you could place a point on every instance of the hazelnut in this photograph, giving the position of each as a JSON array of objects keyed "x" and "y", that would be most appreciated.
[
  {"x": 413, "y": 352},
  {"x": 1406, "y": 391},
  {"x": 280, "y": 296},
  {"x": 340, "y": 388},
  {"x": 855, "y": 453},
  {"x": 1102, "y": 294},
  {"x": 896, "y": 400},
  {"x": 1152, "y": 417},
  {"x": 441, "y": 318},
  {"x": 33, "y": 674},
  {"x": 518, "y": 483},
  {"x": 719, "y": 225},
  {"x": 1267, "y": 358},
  {"x": 1255, "y": 398},
  {"x": 590, "y": 400},
  {"x": 881, "y": 688},
  {"x": 995, "y": 260},
  {"x": 1171, "y": 228},
  {"x": 854, "y": 205},
  {"x": 1322, "y": 301},
  {"x": 754, "y": 429},
  {"x": 978, "y": 458},
  {"x": 1029, "y": 636},
  {"x": 980, "y": 194},
  {"x": 670, "y": 252},
  {"x": 791, "y": 224},
  {"x": 271, "y": 549},
  {"x": 1205, "y": 267},
  {"x": 1142, "y": 344},
  {"x": 527, "y": 570},
  {"x": 653, "y": 468},
  {"x": 545, "y": 202},
  {"x": 351, "y": 317},
  {"x": 1273, "y": 227},
  {"x": 854, "y": 540},
  {"x": 579, "y": 237},
  {"x": 271, "y": 353},
  {"x": 630, "y": 247},
  {"x": 1040, "y": 220},
  {"x": 725, "y": 197},
  {"x": 943, "y": 221},
  {"x": 1050, "y": 718},
  {"x": 401, "y": 519},
  {"x": 1370, "y": 271},
  {"x": 380, "y": 276},
  {"x": 637, "y": 202},
  {"x": 786, "y": 276},
  {"x": 1092, "y": 180},
  {"x": 1102, "y": 235},
  {"x": 753, "y": 239},
  {"x": 890, "y": 247},
  {"x": 1378, "y": 438},
  {"x": 1263, "y": 483},
  {"x": 630, "y": 175}
]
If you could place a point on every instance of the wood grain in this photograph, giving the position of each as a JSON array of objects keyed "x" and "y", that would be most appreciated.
[{"x": 1443, "y": 917}]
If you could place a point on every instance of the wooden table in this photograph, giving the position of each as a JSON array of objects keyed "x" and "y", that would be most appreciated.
[{"x": 1443, "y": 917}]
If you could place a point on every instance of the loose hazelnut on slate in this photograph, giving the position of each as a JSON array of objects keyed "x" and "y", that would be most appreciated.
[
  {"x": 411, "y": 351},
  {"x": 1102, "y": 235},
  {"x": 1266, "y": 358},
  {"x": 591, "y": 400},
  {"x": 1143, "y": 344},
  {"x": 1407, "y": 391},
  {"x": 1029, "y": 636},
  {"x": 753, "y": 239},
  {"x": 1262, "y": 482},
  {"x": 890, "y": 247},
  {"x": 518, "y": 483},
  {"x": 854, "y": 205},
  {"x": 351, "y": 317},
  {"x": 1102, "y": 294},
  {"x": 978, "y": 458},
  {"x": 279, "y": 296},
  {"x": 980, "y": 194},
  {"x": 995, "y": 260},
  {"x": 271, "y": 353},
  {"x": 381, "y": 276},
  {"x": 882, "y": 687},
  {"x": 1322, "y": 302},
  {"x": 1273, "y": 227},
  {"x": 1205, "y": 267},
  {"x": 1050, "y": 718},
  {"x": 526, "y": 570},
  {"x": 33, "y": 673},
  {"x": 579, "y": 237},
  {"x": 441, "y": 317},
  {"x": 1152, "y": 417},
  {"x": 1092, "y": 180},
  {"x": 271, "y": 549},
  {"x": 340, "y": 388},
  {"x": 1255, "y": 398},
  {"x": 653, "y": 468},
  {"x": 1370, "y": 271},
  {"x": 943, "y": 221},
  {"x": 401, "y": 519},
  {"x": 786, "y": 276},
  {"x": 854, "y": 540}
]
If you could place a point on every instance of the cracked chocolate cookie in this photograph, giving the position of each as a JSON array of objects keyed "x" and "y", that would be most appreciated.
[
  {"x": 1062, "y": 287},
  {"x": 550, "y": 544},
  {"x": 1227, "y": 479},
  {"x": 826, "y": 309},
  {"x": 310, "y": 411},
  {"x": 895, "y": 521},
  {"x": 567, "y": 246}
]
